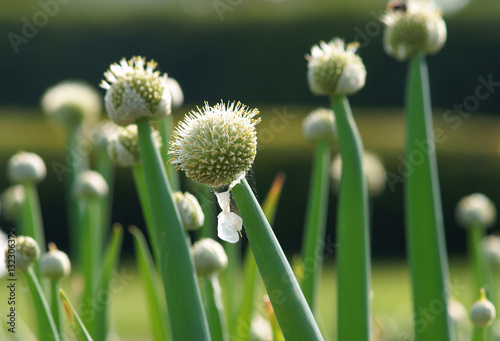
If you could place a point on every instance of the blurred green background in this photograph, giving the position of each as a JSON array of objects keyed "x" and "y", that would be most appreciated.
[{"x": 254, "y": 52}]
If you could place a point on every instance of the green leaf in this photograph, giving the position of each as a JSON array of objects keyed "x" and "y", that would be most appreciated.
[
  {"x": 291, "y": 309},
  {"x": 155, "y": 298},
  {"x": 76, "y": 322},
  {"x": 353, "y": 251}
]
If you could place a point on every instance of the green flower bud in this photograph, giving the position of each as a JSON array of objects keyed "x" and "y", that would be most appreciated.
[
  {"x": 26, "y": 167},
  {"x": 416, "y": 27},
  {"x": 483, "y": 312},
  {"x": 72, "y": 103},
  {"x": 190, "y": 210},
  {"x": 54, "y": 264},
  {"x": 334, "y": 69},
  {"x": 135, "y": 92},
  {"x": 375, "y": 173},
  {"x": 27, "y": 252},
  {"x": 12, "y": 203},
  {"x": 209, "y": 257},
  {"x": 123, "y": 148},
  {"x": 175, "y": 91},
  {"x": 215, "y": 144},
  {"x": 475, "y": 210},
  {"x": 320, "y": 125},
  {"x": 90, "y": 184}
]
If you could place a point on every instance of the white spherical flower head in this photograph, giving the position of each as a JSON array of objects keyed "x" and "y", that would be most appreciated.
[
  {"x": 414, "y": 27},
  {"x": 475, "y": 210},
  {"x": 375, "y": 173},
  {"x": 492, "y": 247},
  {"x": 26, "y": 253},
  {"x": 209, "y": 257},
  {"x": 320, "y": 125},
  {"x": 26, "y": 167},
  {"x": 72, "y": 103},
  {"x": 214, "y": 145},
  {"x": 123, "y": 148},
  {"x": 134, "y": 91},
  {"x": 335, "y": 69},
  {"x": 483, "y": 312},
  {"x": 89, "y": 185},
  {"x": 190, "y": 210},
  {"x": 54, "y": 264},
  {"x": 12, "y": 201},
  {"x": 175, "y": 91}
]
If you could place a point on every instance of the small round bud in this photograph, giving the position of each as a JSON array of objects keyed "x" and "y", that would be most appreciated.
[
  {"x": 209, "y": 257},
  {"x": 492, "y": 248},
  {"x": 72, "y": 103},
  {"x": 483, "y": 312},
  {"x": 190, "y": 210},
  {"x": 457, "y": 311},
  {"x": 334, "y": 69},
  {"x": 214, "y": 145},
  {"x": 90, "y": 184},
  {"x": 133, "y": 92},
  {"x": 12, "y": 203},
  {"x": 320, "y": 125},
  {"x": 175, "y": 91},
  {"x": 375, "y": 173},
  {"x": 54, "y": 264},
  {"x": 27, "y": 252},
  {"x": 123, "y": 148},
  {"x": 414, "y": 27},
  {"x": 475, "y": 210},
  {"x": 26, "y": 167}
]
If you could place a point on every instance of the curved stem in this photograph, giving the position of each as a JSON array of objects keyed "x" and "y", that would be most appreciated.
[{"x": 353, "y": 252}]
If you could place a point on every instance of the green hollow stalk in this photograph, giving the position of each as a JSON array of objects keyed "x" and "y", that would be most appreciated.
[
  {"x": 212, "y": 298},
  {"x": 314, "y": 232},
  {"x": 105, "y": 166},
  {"x": 55, "y": 306},
  {"x": 292, "y": 311},
  {"x": 424, "y": 219},
  {"x": 166, "y": 129},
  {"x": 478, "y": 261},
  {"x": 76, "y": 322},
  {"x": 46, "y": 326},
  {"x": 185, "y": 309},
  {"x": 353, "y": 251},
  {"x": 479, "y": 334}
]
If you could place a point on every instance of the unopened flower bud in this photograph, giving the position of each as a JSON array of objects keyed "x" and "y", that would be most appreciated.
[
  {"x": 320, "y": 125},
  {"x": 26, "y": 167},
  {"x": 27, "y": 252},
  {"x": 492, "y": 248},
  {"x": 123, "y": 148},
  {"x": 192, "y": 216},
  {"x": 90, "y": 184},
  {"x": 214, "y": 145},
  {"x": 209, "y": 257},
  {"x": 72, "y": 103},
  {"x": 334, "y": 69},
  {"x": 475, "y": 210},
  {"x": 54, "y": 264},
  {"x": 12, "y": 203},
  {"x": 483, "y": 312},
  {"x": 134, "y": 91},
  {"x": 414, "y": 27}
]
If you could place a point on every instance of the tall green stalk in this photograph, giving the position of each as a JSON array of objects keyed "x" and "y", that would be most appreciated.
[
  {"x": 315, "y": 226},
  {"x": 76, "y": 322},
  {"x": 424, "y": 220},
  {"x": 166, "y": 129},
  {"x": 106, "y": 168},
  {"x": 32, "y": 218},
  {"x": 187, "y": 317},
  {"x": 475, "y": 236},
  {"x": 291, "y": 308},
  {"x": 212, "y": 297},
  {"x": 353, "y": 252},
  {"x": 55, "y": 306}
]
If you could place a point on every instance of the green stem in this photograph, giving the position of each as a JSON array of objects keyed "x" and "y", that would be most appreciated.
[
  {"x": 55, "y": 306},
  {"x": 106, "y": 168},
  {"x": 479, "y": 334},
  {"x": 187, "y": 317},
  {"x": 229, "y": 276},
  {"x": 353, "y": 252},
  {"x": 314, "y": 232},
  {"x": 213, "y": 306},
  {"x": 46, "y": 326},
  {"x": 424, "y": 220},
  {"x": 475, "y": 236},
  {"x": 166, "y": 128},
  {"x": 291, "y": 309},
  {"x": 76, "y": 322},
  {"x": 142, "y": 192}
]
